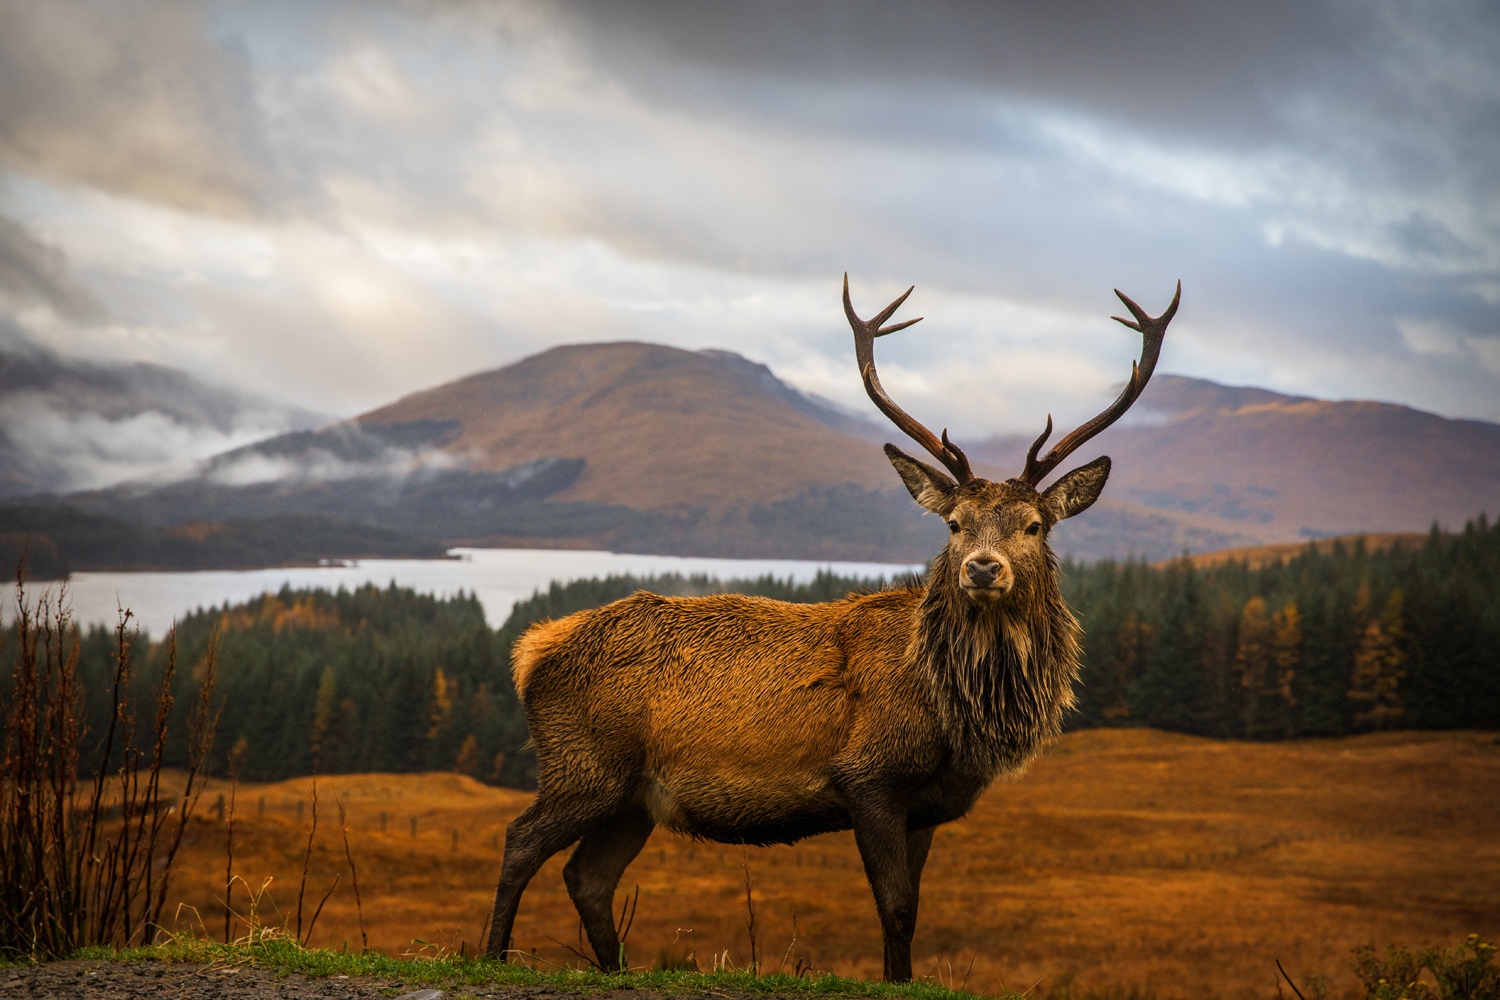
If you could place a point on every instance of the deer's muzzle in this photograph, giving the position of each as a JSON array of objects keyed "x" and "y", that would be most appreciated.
[{"x": 986, "y": 576}]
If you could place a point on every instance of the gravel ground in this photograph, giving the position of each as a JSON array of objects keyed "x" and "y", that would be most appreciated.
[
  {"x": 95, "y": 980},
  {"x": 90, "y": 980}
]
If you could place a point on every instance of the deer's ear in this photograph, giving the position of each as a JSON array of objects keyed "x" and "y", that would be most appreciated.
[
  {"x": 1077, "y": 491},
  {"x": 927, "y": 486}
]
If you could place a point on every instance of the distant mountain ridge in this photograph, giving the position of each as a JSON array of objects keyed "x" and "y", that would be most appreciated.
[
  {"x": 1200, "y": 466},
  {"x": 1282, "y": 468},
  {"x": 637, "y": 447},
  {"x": 66, "y": 423}
]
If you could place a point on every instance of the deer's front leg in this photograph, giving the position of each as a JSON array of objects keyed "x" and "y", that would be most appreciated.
[{"x": 880, "y": 832}]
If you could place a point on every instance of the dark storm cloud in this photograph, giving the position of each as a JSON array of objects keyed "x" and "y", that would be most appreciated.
[
  {"x": 1374, "y": 82},
  {"x": 1389, "y": 93},
  {"x": 1170, "y": 65}
]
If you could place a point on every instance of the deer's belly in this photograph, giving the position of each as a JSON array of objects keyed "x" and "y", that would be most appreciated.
[{"x": 740, "y": 809}]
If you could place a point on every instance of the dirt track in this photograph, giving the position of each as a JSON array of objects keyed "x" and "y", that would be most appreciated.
[
  {"x": 98, "y": 980},
  {"x": 95, "y": 980},
  {"x": 88, "y": 980}
]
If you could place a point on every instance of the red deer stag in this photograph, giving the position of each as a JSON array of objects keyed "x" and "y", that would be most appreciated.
[{"x": 752, "y": 721}]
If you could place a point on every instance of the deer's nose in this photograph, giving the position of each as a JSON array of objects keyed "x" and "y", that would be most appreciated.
[{"x": 982, "y": 572}]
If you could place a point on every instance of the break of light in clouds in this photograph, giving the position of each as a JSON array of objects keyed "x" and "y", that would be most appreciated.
[{"x": 332, "y": 205}]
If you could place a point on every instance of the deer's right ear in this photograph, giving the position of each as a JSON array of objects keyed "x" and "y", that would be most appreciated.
[{"x": 927, "y": 486}]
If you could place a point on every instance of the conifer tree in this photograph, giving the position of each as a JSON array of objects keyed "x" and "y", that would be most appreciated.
[
  {"x": 1132, "y": 641},
  {"x": 1221, "y": 716},
  {"x": 1375, "y": 686},
  {"x": 440, "y": 705},
  {"x": 1252, "y": 661},
  {"x": 1286, "y": 656},
  {"x": 323, "y": 719},
  {"x": 467, "y": 761},
  {"x": 1169, "y": 692}
]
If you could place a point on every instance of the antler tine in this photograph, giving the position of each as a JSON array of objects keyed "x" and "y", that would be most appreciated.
[
  {"x": 1152, "y": 329},
  {"x": 865, "y": 332}
]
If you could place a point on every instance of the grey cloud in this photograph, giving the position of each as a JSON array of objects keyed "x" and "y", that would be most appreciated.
[
  {"x": 32, "y": 272},
  {"x": 1378, "y": 103},
  {"x": 1421, "y": 236},
  {"x": 1128, "y": 59},
  {"x": 68, "y": 425},
  {"x": 338, "y": 453},
  {"x": 767, "y": 137},
  {"x": 133, "y": 98},
  {"x": 1373, "y": 84}
]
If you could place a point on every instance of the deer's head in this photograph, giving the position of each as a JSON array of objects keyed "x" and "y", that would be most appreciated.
[{"x": 997, "y": 543}]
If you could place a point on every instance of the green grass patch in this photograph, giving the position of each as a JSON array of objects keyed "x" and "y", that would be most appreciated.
[{"x": 452, "y": 972}]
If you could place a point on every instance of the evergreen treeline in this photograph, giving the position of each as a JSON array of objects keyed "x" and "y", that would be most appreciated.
[
  {"x": 1324, "y": 644},
  {"x": 365, "y": 680}
]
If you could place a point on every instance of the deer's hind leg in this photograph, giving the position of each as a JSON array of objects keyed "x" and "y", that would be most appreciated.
[
  {"x": 593, "y": 873},
  {"x": 547, "y": 826}
]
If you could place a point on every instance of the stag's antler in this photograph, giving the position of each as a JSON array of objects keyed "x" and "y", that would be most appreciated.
[
  {"x": 1152, "y": 330},
  {"x": 943, "y": 450}
]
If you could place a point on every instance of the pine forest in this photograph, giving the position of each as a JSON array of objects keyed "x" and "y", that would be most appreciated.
[{"x": 1324, "y": 644}]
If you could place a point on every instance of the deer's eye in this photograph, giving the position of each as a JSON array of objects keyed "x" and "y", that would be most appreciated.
[
  {"x": 1033, "y": 527},
  {"x": 953, "y": 527}
]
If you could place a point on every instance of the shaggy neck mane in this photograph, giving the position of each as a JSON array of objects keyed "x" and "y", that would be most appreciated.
[{"x": 1001, "y": 676}]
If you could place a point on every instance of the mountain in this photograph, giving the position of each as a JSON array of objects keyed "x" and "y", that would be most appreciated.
[
  {"x": 632, "y": 447},
  {"x": 656, "y": 427},
  {"x": 1226, "y": 466},
  {"x": 636, "y": 447},
  {"x": 67, "y": 424}
]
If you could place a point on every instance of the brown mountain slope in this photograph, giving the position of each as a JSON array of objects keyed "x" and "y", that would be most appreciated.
[
  {"x": 1306, "y": 466},
  {"x": 1253, "y": 467},
  {"x": 658, "y": 427}
]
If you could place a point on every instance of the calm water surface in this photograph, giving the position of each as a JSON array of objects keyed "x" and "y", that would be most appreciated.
[{"x": 498, "y": 577}]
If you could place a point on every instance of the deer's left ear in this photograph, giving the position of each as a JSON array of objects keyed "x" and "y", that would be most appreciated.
[{"x": 1077, "y": 491}]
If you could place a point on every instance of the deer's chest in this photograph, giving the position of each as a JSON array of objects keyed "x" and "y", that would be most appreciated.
[{"x": 945, "y": 796}]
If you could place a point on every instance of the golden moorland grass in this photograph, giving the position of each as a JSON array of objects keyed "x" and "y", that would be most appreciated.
[{"x": 1123, "y": 859}]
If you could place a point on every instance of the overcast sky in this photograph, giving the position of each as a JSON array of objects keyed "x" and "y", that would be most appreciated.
[{"x": 336, "y": 204}]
